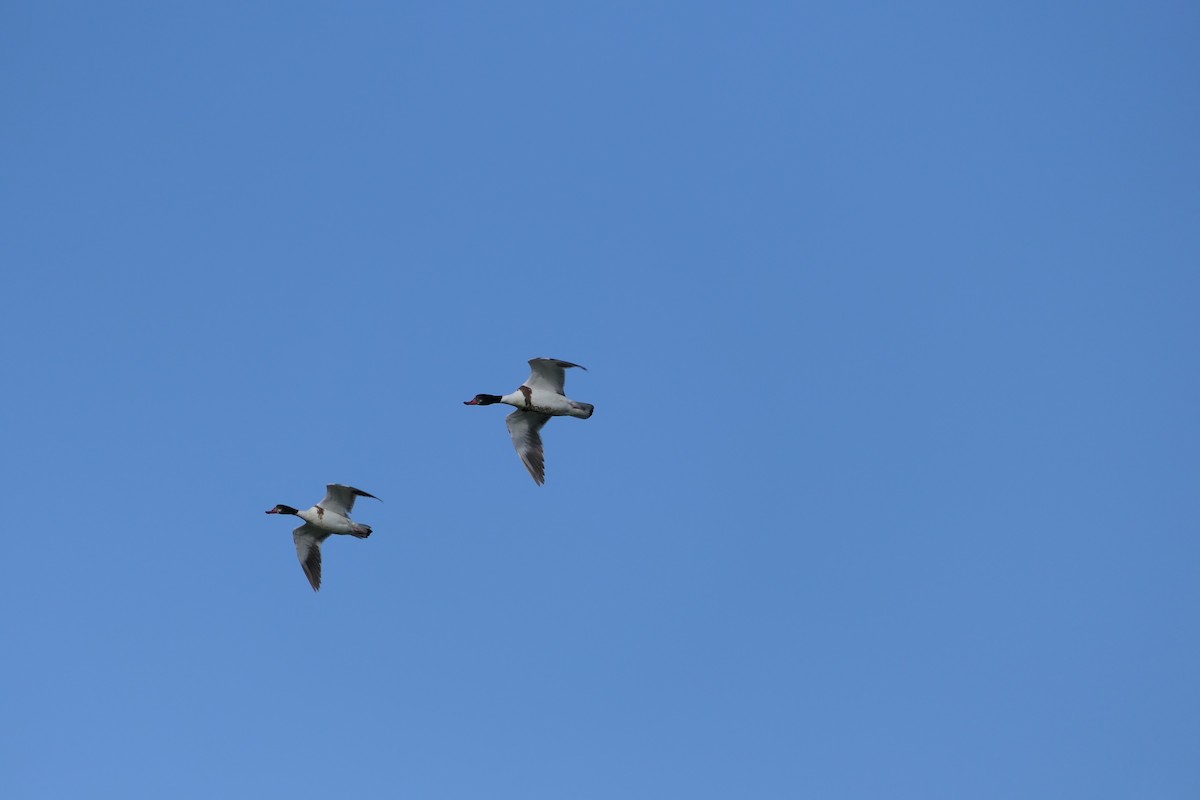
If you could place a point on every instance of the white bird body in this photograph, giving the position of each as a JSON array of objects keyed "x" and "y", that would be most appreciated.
[
  {"x": 330, "y": 516},
  {"x": 332, "y": 521},
  {"x": 537, "y": 400},
  {"x": 551, "y": 404}
]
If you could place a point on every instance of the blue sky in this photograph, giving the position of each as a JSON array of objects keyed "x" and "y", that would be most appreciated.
[{"x": 890, "y": 319}]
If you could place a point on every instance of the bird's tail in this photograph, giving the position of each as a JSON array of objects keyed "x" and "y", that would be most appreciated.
[
  {"x": 360, "y": 530},
  {"x": 585, "y": 409}
]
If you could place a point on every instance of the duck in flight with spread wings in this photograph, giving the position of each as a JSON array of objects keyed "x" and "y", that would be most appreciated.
[
  {"x": 537, "y": 400},
  {"x": 330, "y": 516}
]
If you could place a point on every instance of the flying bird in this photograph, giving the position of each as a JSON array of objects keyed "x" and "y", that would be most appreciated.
[
  {"x": 537, "y": 400},
  {"x": 330, "y": 516}
]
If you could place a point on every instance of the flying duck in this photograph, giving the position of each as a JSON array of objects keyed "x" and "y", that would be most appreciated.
[
  {"x": 330, "y": 516},
  {"x": 537, "y": 400}
]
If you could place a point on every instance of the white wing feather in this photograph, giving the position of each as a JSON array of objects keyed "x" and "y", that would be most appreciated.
[
  {"x": 308, "y": 550},
  {"x": 549, "y": 374},
  {"x": 339, "y": 498},
  {"x": 525, "y": 428}
]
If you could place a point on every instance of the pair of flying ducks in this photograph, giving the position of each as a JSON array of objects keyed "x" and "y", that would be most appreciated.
[{"x": 537, "y": 400}]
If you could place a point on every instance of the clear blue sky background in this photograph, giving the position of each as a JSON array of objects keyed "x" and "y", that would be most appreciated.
[{"x": 890, "y": 315}]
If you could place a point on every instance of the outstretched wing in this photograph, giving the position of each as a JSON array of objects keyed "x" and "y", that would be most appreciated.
[
  {"x": 339, "y": 498},
  {"x": 308, "y": 550},
  {"x": 548, "y": 374},
  {"x": 525, "y": 428}
]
